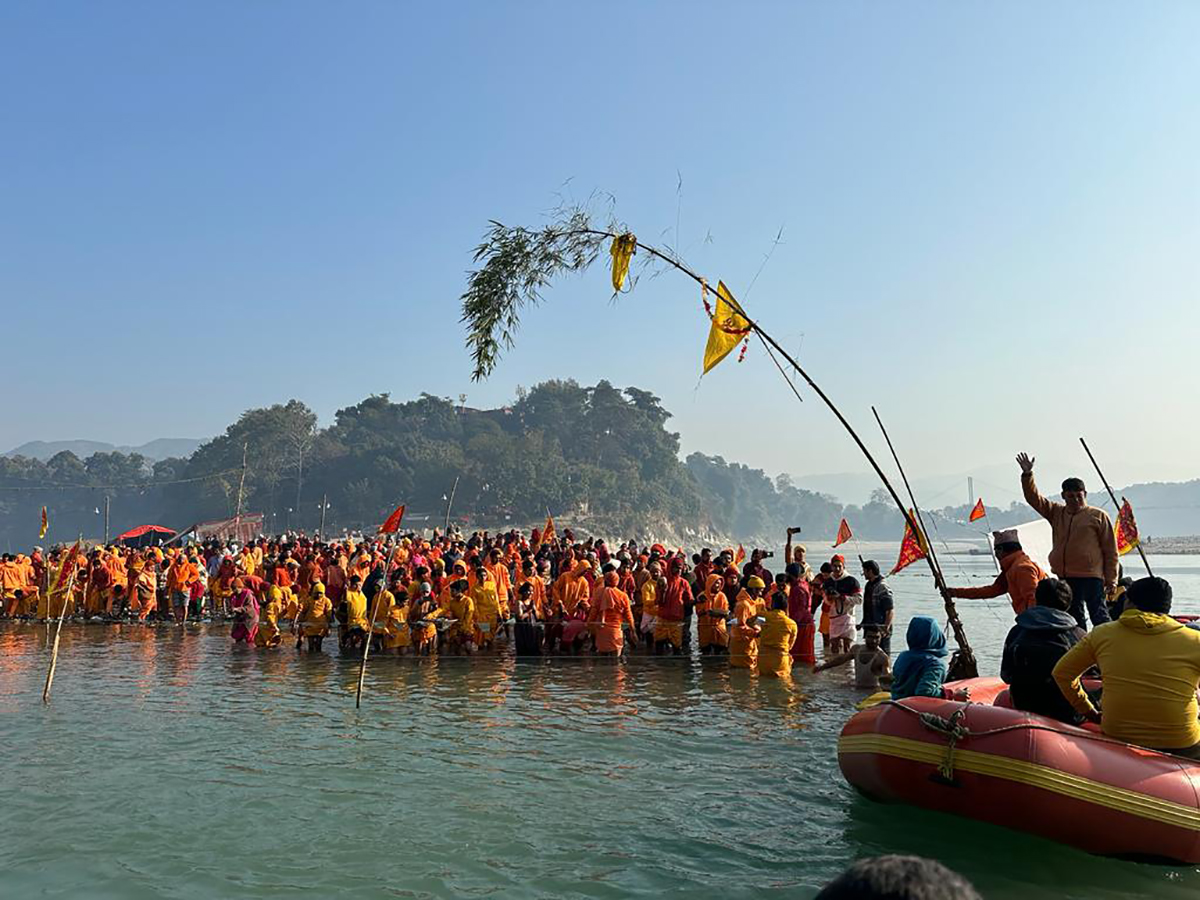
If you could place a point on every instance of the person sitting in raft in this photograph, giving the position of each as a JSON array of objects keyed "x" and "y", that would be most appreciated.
[
  {"x": 776, "y": 639},
  {"x": 1150, "y": 664},
  {"x": 920, "y": 671},
  {"x": 872, "y": 665},
  {"x": 1019, "y": 575},
  {"x": 1042, "y": 635}
]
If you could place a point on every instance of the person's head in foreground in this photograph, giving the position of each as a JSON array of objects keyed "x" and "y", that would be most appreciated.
[{"x": 898, "y": 878}]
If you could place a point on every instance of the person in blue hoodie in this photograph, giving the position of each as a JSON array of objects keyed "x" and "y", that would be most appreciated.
[
  {"x": 920, "y": 671},
  {"x": 1042, "y": 635}
]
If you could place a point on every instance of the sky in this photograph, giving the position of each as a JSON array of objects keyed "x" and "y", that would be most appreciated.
[{"x": 989, "y": 216}]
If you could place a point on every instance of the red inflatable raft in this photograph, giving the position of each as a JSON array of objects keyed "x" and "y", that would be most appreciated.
[{"x": 1023, "y": 771}]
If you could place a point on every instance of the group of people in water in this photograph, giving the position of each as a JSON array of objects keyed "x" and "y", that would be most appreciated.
[{"x": 548, "y": 594}]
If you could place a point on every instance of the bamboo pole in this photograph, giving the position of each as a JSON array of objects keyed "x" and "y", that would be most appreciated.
[
  {"x": 1116, "y": 505},
  {"x": 362, "y": 669},
  {"x": 450, "y": 504},
  {"x": 62, "y": 614},
  {"x": 960, "y": 633}
]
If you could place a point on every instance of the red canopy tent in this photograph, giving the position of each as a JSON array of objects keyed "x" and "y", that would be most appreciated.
[{"x": 145, "y": 536}]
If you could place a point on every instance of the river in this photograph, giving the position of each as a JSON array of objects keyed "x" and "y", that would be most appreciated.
[{"x": 170, "y": 764}]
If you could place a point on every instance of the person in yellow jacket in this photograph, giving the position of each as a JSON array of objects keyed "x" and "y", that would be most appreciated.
[
  {"x": 1150, "y": 664},
  {"x": 743, "y": 641},
  {"x": 775, "y": 643},
  {"x": 268, "y": 633},
  {"x": 486, "y": 600},
  {"x": 353, "y": 632},
  {"x": 458, "y": 606},
  {"x": 314, "y": 616}
]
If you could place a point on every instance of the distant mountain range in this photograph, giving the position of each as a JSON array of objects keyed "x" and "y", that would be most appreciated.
[{"x": 158, "y": 449}]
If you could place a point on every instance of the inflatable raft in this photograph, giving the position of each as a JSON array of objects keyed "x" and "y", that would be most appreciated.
[{"x": 984, "y": 760}]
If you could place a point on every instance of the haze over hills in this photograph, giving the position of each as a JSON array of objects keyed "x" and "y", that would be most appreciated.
[{"x": 155, "y": 450}]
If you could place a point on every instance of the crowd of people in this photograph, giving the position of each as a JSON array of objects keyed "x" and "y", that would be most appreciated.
[{"x": 547, "y": 594}]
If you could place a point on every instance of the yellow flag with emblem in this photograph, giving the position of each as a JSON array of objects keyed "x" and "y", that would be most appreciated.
[{"x": 729, "y": 326}]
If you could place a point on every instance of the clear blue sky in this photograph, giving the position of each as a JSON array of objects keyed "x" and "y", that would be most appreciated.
[{"x": 990, "y": 214}]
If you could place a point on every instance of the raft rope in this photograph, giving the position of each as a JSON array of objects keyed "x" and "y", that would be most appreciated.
[
  {"x": 949, "y": 725},
  {"x": 953, "y": 731}
]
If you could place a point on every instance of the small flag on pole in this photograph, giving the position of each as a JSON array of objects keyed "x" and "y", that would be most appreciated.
[
  {"x": 45, "y": 524},
  {"x": 729, "y": 326},
  {"x": 978, "y": 512},
  {"x": 913, "y": 547},
  {"x": 392, "y": 525},
  {"x": 548, "y": 531},
  {"x": 844, "y": 533},
  {"x": 740, "y": 557},
  {"x": 1126, "y": 528}
]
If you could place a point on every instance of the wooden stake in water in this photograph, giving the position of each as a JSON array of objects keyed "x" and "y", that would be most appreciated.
[
  {"x": 1116, "y": 505},
  {"x": 62, "y": 614}
]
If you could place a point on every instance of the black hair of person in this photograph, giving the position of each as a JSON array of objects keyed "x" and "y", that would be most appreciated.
[
  {"x": 1053, "y": 592},
  {"x": 899, "y": 878}
]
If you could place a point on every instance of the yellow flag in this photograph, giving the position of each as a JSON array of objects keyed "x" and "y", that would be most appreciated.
[
  {"x": 622, "y": 250},
  {"x": 729, "y": 326},
  {"x": 45, "y": 524}
]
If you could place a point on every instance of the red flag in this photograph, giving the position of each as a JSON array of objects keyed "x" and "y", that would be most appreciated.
[
  {"x": 844, "y": 533},
  {"x": 548, "y": 531},
  {"x": 978, "y": 512},
  {"x": 1126, "y": 528},
  {"x": 45, "y": 524},
  {"x": 392, "y": 525},
  {"x": 69, "y": 563},
  {"x": 740, "y": 557},
  {"x": 913, "y": 547}
]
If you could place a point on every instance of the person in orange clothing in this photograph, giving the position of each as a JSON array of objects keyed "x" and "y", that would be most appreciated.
[
  {"x": 743, "y": 642},
  {"x": 537, "y": 591},
  {"x": 672, "y": 605},
  {"x": 180, "y": 575},
  {"x": 613, "y": 614},
  {"x": 1019, "y": 575},
  {"x": 712, "y": 609},
  {"x": 12, "y": 584},
  {"x": 497, "y": 568},
  {"x": 775, "y": 642},
  {"x": 143, "y": 587}
]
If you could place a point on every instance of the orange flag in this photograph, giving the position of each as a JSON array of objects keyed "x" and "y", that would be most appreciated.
[
  {"x": 844, "y": 533},
  {"x": 978, "y": 512},
  {"x": 45, "y": 524},
  {"x": 739, "y": 557},
  {"x": 1127, "y": 531},
  {"x": 392, "y": 525},
  {"x": 913, "y": 547},
  {"x": 548, "y": 531}
]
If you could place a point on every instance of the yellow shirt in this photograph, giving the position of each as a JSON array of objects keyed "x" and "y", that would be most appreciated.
[
  {"x": 1150, "y": 664},
  {"x": 356, "y": 609}
]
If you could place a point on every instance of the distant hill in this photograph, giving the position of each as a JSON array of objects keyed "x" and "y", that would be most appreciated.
[{"x": 158, "y": 449}]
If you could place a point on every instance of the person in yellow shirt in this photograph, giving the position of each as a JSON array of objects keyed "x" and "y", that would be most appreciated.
[
  {"x": 458, "y": 637},
  {"x": 487, "y": 609},
  {"x": 314, "y": 617},
  {"x": 743, "y": 642},
  {"x": 268, "y": 633},
  {"x": 775, "y": 642},
  {"x": 648, "y": 593},
  {"x": 353, "y": 632},
  {"x": 1150, "y": 664},
  {"x": 396, "y": 634}
]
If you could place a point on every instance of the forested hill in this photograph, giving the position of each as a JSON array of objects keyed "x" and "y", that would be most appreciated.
[{"x": 598, "y": 457}]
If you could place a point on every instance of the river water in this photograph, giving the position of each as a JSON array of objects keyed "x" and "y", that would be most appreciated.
[{"x": 169, "y": 764}]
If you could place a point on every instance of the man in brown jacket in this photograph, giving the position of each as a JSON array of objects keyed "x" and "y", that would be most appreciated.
[{"x": 1085, "y": 545}]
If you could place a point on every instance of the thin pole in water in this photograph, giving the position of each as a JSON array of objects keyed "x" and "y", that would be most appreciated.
[
  {"x": 1116, "y": 505},
  {"x": 62, "y": 614},
  {"x": 362, "y": 669}
]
